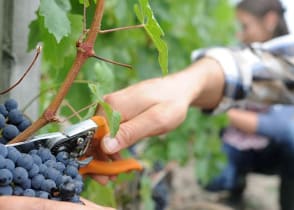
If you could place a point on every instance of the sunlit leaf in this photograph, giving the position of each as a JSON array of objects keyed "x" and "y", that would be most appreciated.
[
  {"x": 146, "y": 17},
  {"x": 55, "y": 16}
]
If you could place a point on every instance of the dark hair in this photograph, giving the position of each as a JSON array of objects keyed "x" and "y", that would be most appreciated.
[{"x": 260, "y": 8}]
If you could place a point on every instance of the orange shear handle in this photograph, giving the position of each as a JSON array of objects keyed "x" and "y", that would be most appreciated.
[{"x": 104, "y": 167}]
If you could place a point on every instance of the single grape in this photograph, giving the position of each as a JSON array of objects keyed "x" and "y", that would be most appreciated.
[
  {"x": 2, "y": 162},
  {"x": 37, "y": 160},
  {"x": 37, "y": 181},
  {"x": 34, "y": 170},
  {"x": 26, "y": 183},
  {"x": 17, "y": 190},
  {"x": 43, "y": 194},
  {"x": 25, "y": 161},
  {"x": 10, "y": 131},
  {"x": 29, "y": 192},
  {"x": 25, "y": 123},
  {"x": 15, "y": 116},
  {"x": 19, "y": 175},
  {"x": 52, "y": 173},
  {"x": 3, "y": 150},
  {"x": 71, "y": 171},
  {"x": 2, "y": 121},
  {"x": 10, "y": 104},
  {"x": 50, "y": 163},
  {"x": 63, "y": 157},
  {"x": 9, "y": 164},
  {"x": 43, "y": 169},
  {"x": 79, "y": 186},
  {"x": 48, "y": 185},
  {"x": 13, "y": 154},
  {"x": 60, "y": 166},
  {"x": 6, "y": 190},
  {"x": 5, "y": 177},
  {"x": 45, "y": 154},
  {"x": 3, "y": 110}
]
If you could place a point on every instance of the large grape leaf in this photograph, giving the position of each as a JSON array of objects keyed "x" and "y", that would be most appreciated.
[
  {"x": 55, "y": 17},
  {"x": 145, "y": 15}
]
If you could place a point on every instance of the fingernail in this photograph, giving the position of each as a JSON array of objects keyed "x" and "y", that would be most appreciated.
[{"x": 110, "y": 144}]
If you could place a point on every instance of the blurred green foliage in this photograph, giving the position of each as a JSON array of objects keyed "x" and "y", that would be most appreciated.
[{"x": 188, "y": 25}]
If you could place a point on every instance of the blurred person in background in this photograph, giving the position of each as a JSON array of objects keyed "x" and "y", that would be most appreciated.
[{"x": 255, "y": 140}]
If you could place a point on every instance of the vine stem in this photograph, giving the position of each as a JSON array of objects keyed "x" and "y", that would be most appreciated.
[
  {"x": 85, "y": 49},
  {"x": 26, "y": 72}
]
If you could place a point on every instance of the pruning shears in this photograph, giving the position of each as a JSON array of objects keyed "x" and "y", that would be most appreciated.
[{"x": 76, "y": 140}]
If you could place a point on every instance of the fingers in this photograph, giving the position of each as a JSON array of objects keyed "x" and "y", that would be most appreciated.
[
  {"x": 131, "y": 102},
  {"x": 157, "y": 120},
  {"x": 28, "y": 203}
]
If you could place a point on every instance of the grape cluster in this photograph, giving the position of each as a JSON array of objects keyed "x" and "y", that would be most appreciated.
[
  {"x": 36, "y": 173},
  {"x": 12, "y": 121},
  {"x": 39, "y": 174}
]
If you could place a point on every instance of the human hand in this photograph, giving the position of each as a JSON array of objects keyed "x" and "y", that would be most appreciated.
[
  {"x": 149, "y": 108},
  {"x": 29, "y": 203},
  {"x": 159, "y": 105}
]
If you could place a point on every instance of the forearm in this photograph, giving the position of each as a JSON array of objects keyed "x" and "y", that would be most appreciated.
[
  {"x": 204, "y": 80},
  {"x": 246, "y": 121}
]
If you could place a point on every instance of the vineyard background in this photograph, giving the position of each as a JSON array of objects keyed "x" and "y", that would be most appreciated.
[{"x": 187, "y": 26}]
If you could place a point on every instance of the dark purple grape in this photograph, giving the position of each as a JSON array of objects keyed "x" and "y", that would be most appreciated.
[
  {"x": 48, "y": 185},
  {"x": 5, "y": 177},
  {"x": 17, "y": 190},
  {"x": 37, "y": 181},
  {"x": 34, "y": 170},
  {"x": 19, "y": 175},
  {"x": 71, "y": 171},
  {"x": 43, "y": 194},
  {"x": 10, "y": 131},
  {"x": 45, "y": 154},
  {"x": 26, "y": 161},
  {"x": 29, "y": 193},
  {"x": 26, "y": 183},
  {"x": 9, "y": 164},
  {"x": 10, "y": 104},
  {"x": 2, "y": 121},
  {"x": 3, "y": 150},
  {"x": 15, "y": 117},
  {"x": 25, "y": 123},
  {"x": 2, "y": 162},
  {"x": 3, "y": 110},
  {"x": 63, "y": 157},
  {"x": 13, "y": 154},
  {"x": 6, "y": 190},
  {"x": 37, "y": 159}
]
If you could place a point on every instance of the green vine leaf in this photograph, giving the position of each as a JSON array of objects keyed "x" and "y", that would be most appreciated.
[
  {"x": 113, "y": 117},
  {"x": 55, "y": 17},
  {"x": 145, "y": 15}
]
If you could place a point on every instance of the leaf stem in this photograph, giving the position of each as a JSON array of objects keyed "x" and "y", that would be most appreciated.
[
  {"x": 121, "y": 28},
  {"x": 26, "y": 72},
  {"x": 111, "y": 61}
]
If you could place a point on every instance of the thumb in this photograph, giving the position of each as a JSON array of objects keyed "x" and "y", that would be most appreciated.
[{"x": 123, "y": 139}]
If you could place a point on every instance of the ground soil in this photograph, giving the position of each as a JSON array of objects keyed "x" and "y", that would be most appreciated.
[{"x": 261, "y": 192}]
